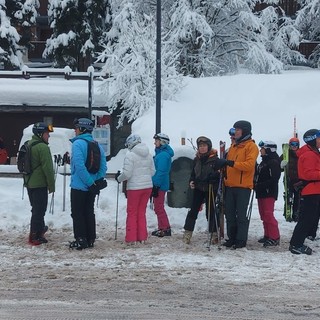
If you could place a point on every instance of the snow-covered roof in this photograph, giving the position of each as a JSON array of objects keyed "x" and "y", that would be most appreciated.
[{"x": 49, "y": 91}]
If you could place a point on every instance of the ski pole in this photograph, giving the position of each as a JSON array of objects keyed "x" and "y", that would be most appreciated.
[
  {"x": 209, "y": 216},
  {"x": 117, "y": 209},
  {"x": 249, "y": 211},
  {"x": 64, "y": 186}
]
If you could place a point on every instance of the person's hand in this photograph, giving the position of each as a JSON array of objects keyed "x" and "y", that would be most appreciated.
[
  {"x": 283, "y": 164},
  {"x": 94, "y": 189},
  {"x": 191, "y": 184},
  {"x": 117, "y": 176},
  {"x": 230, "y": 163},
  {"x": 155, "y": 192}
]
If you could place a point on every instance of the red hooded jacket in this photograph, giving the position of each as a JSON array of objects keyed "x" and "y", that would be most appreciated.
[{"x": 309, "y": 169}]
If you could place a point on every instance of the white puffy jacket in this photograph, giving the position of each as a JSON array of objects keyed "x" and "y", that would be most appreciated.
[{"x": 138, "y": 168}]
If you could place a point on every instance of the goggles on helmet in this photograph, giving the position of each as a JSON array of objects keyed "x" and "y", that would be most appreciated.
[
  {"x": 202, "y": 140},
  {"x": 263, "y": 144},
  {"x": 294, "y": 144},
  {"x": 313, "y": 137}
]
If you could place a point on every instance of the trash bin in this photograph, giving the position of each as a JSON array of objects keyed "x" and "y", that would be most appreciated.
[{"x": 180, "y": 195}]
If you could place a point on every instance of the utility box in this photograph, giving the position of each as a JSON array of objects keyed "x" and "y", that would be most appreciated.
[{"x": 181, "y": 194}]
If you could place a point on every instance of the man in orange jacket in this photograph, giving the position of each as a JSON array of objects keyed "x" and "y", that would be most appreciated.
[
  {"x": 309, "y": 175},
  {"x": 241, "y": 161}
]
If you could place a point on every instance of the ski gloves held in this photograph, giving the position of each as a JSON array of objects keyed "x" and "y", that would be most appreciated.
[
  {"x": 155, "y": 192},
  {"x": 98, "y": 185}
]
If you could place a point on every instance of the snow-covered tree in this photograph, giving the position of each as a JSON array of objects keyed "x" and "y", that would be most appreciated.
[
  {"x": 279, "y": 35},
  {"x": 10, "y": 51},
  {"x": 130, "y": 61},
  {"x": 78, "y": 28},
  {"x": 308, "y": 22}
]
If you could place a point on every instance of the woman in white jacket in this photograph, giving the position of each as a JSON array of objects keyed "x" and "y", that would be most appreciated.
[{"x": 138, "y": 169}]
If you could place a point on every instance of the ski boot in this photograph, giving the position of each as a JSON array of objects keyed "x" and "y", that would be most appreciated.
[
  {"x": 187, "y": 236},
  {"x": 161, "y": 233},
  {"x": 79, "y": 244}
]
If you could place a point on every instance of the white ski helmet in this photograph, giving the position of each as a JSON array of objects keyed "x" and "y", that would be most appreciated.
[
  {"x": 268, "y": 145},
  {"x": 132, "y": 140},
  {"x": 164, "y": 139}
]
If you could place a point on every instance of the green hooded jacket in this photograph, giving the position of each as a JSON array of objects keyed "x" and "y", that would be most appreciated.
[{"x": 42, "y": 166}]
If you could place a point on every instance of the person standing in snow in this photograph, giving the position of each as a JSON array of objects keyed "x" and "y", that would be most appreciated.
[
  {"x": 205, "y": 173},
  {"x": 40, "y": 182},
  {"x": 84, "y": 186},
  {"x": 161, "y": 182},
  {"x": 138, "y": 169},
  {"x": 309, "y": 175},
  {"x": 241, "y": 162},
  {"x": 294, "y": 145},
  {"x": 267, "y": 177}
]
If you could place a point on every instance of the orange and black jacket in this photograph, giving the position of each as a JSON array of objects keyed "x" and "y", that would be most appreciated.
[{"x": 244, "y": 155}]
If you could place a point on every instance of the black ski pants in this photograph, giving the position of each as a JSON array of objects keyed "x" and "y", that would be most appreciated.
[
  {"x": 308, "y": 219},
  {"x": 38, "y": 198},
  {"x": 82, "y": 213},
  {"x": 237, "y": 214},
  {"x": 199, "y": 197}
]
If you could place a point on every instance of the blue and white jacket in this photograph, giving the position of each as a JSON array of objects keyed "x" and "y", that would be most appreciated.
[
  {"x": 162, "y": 162},
  {"x": 81, "y": 179}
]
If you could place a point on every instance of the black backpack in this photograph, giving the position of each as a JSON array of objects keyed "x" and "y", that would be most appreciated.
[
  {"x": 93, "y": 156},
  {"x": 24, "y": 158}
]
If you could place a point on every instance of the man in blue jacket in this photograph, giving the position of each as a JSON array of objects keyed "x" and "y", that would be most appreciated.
[
  {"x": 161, "y": 182},
  {"x": 84, "y": 186}
]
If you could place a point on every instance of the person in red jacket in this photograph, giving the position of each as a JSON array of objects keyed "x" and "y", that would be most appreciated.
[{"x": 309, "y": 175}]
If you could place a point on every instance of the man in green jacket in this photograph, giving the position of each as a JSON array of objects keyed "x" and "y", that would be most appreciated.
[{"x": 40, "y": 182}]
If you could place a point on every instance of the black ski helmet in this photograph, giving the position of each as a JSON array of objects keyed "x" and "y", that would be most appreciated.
[
  {"x": 310, "y": 137},
  {"x": 245, "y": 126},
  {"x": 40, "y": 127}
]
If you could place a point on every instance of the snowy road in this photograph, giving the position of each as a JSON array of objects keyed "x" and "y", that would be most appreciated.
[{"x": 115, "y": 282}]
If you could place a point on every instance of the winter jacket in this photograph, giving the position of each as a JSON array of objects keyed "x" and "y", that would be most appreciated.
[
  {"x": 206, "y": 169},
  {"x": 309, "y": 169},
  {"x": 42, "y": 166},
  {"x": 268, "y": 173},
  {"x": 81, "y": 179},
  {"x": 162, "y": 162},
  {"x": 244, "y": 155},
  {"x": 138, "y": 168}
]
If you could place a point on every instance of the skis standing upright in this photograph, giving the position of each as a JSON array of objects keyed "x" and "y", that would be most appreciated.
[
  {"x": 219, "y": 203},
  {"x": 287, "y": 210}
]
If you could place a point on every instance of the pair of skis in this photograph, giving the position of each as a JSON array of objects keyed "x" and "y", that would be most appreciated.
[
  {"x": 218, "y": 203},
  {"x": 287, "y": 196}
]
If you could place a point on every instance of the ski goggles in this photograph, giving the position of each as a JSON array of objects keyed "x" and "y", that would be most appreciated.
[
  {"x": 313, "y": 137},
  {"x": 232, "y": 132},
  {"x": 294, "y": 144},
  {"x": 203, "y": 140},
  {"x": 263, "y": 144}
]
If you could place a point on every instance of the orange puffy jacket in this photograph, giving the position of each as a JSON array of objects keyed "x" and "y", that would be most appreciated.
[
  {"x": 309, "y": 169},
  {"x": 244, "y": 155}
]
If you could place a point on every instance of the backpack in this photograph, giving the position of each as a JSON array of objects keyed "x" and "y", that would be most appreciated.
[
  {"x": 24, "y": 158},
  {"x": 93, "y": 156}
]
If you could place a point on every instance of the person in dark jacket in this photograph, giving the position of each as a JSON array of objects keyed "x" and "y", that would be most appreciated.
[
  {"x": 84, "y": 187},
  {"x": 161, "y": 182},
  {"x": 292, "y": 167},
  {"x": 40, "y": 182},
  {"x": 205, "y": 172},
  {"x": 267, "y": 177},
  {"x": 309, "y": 174}
]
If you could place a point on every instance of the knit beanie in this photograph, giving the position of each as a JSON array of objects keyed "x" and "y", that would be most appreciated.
[{"x": 245, "y": 126}]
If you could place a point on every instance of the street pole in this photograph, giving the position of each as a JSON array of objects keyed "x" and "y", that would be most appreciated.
[
  {"x": 90, "y": 71},
  {"x": 158, "y": 69}
]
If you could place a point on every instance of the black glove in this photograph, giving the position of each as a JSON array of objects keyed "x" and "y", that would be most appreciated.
[
  {"x": 230, "y": 163},
  {"x": 117, "y": 176},
  {"x": 155, "y": 192},
  {"x": 101, "y": 183},
  {"x": 94, "y": 189},
  {"x": 220, "y": 163}
]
